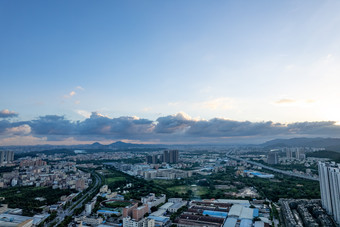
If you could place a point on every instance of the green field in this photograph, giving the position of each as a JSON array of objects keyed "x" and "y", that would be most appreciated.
[
  {"x": 113, "y": 179},
  {"x": 163, "y": 182},
  {"x": 117, "y": 204}
]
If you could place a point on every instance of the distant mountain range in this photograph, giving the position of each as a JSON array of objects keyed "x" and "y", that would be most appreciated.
[
  {"x": 327, "y": 143},
  {"x": 95, "y": 146},
  {"x": 120, "y": 144},
  {"x": 332, "y": 144}
]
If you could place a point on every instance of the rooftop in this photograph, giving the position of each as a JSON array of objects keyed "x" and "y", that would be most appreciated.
[
  {"x": 159, "y": 219},
  {"x": 230, "y": 222},
  {"x": 166, "y": 206},
  {"x": 13, "y": 218},
  {"x": 176, "y": 205},
  {"x": 215, "y": 213}
]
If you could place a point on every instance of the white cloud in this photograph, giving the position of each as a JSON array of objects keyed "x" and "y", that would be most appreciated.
[
  {"x": 23, "y": 140},
  {"x": 80, "y": 88},
  {"x": 20, "y": 130},
  {"x": 69, "y": 95},
  {"x": 295, "y": 102},
  {"x": 84, "y": 113},
  {"x": 7, "y": 113}
]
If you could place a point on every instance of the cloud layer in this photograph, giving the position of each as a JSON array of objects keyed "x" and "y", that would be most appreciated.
[
  {"x": 7, "y": 114},
  {"x": 177, "y": 128}
]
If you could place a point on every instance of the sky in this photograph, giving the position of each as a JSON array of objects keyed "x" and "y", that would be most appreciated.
[{"x": 189, "y": 71}]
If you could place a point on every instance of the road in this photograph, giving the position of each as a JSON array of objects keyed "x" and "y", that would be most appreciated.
[
  {"x": 274, "y": 169},
  {"x": 69, "y": 211}
]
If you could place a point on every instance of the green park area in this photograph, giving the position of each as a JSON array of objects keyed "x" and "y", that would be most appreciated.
[
  {"x": 217, "y": 185},
  {"x": 114, "y": 179},
  {"x": 194, "y": 190}
]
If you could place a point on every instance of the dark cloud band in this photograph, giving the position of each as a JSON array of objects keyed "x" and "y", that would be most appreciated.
[{"x": 174, "y": 128}]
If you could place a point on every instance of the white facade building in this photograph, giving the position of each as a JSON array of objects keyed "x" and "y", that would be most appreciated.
[
  {"x": 88, "y": 208},
  {"x": 329, "y": 175},
  {"x": 129, "y": 222}
]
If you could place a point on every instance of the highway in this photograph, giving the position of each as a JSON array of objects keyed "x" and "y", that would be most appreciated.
[
  {"x": 274, "y": 169},
  {"x": 69, "y": 211}
]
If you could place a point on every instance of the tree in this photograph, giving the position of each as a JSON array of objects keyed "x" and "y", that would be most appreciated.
[{"x": 153, "y": 209}]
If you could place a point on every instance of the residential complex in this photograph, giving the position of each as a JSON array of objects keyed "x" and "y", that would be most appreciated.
[
  {"x": 168, "y": 156},
  {"x": 35, "y": 172}
]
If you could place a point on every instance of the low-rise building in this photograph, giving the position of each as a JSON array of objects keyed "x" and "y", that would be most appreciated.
[
  {"x": 145, "y": 222},
  {"x": 176, "y": 206},
  {"x": 152, "y": 200},
  {"x": 10, "y": 220}
]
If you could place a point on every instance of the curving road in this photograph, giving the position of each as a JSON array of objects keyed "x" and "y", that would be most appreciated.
[{"x": 69, "y": 211}]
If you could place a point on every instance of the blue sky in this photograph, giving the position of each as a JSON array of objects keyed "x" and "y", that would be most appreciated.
[{"x": 256, "y": 61}]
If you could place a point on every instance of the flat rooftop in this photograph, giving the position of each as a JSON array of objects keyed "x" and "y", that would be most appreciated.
[
  {"x": 13, "y": 218},
  {"x": 166, "y": 206},
  {"x": 177, "y": 205}
]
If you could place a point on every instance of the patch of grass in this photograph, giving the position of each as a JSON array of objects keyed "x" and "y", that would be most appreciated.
[
  {"x": 114, "y": 179},
  {"x": 162, "y": 182},
  {"x": 117, "y": 204},
  {"x": 179, "y": 189},
  {"x": 199, "y": 190}
]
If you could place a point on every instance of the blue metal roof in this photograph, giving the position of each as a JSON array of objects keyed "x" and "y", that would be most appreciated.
[
  {"x": 256, "y": 173},
  {"x": 230, "y": 222},
  {"x": 108, "y": 211},
  {"x": 218, "y": 214},
  {"x": 159, "y": 219},
  {"x": 246, "y": 223}
]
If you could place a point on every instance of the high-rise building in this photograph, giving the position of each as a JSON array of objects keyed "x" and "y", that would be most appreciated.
[
  {"x": 272, "y": 158},
  {"x": 6, "y": 156},
  {"x": 160, "y": 158},
  {"x": 12, "y": 156},
  {"x": 2, "y": 157},
  {"x": 329, "y": 176},
  {"x": 154, "y": 159},
  {"x": 300, "y": 153},
  {"x": 166, "y": 156},
  {"x": 149, "y": 159},
  {"x": 289, "y": 154},
  {"x": 173, "y": 156}
]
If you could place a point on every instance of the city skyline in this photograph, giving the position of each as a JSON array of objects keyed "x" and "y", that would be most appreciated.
[{"x": 168, "y": 72}]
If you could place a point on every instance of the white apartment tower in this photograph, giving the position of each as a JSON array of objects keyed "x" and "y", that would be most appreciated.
[{"x": 329, "y": 175}]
